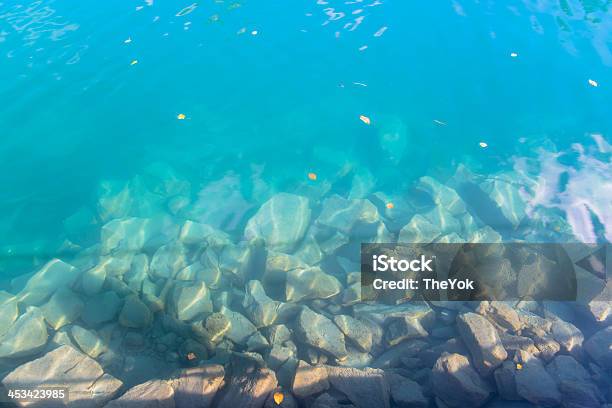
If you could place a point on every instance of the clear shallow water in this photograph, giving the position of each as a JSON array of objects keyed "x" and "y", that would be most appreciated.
[{"x": 270, "y": 108}]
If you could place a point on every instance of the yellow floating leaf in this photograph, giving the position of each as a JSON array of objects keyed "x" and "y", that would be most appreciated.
[
  {"x": 278, "y": 397},
  {"x": 312, "y": 176},
  {"x": 134, "y": 62},
  {"x": 181, "y": 116},
  {"x": 483, "y": 144},
  {"x": 365, "y": 119}
]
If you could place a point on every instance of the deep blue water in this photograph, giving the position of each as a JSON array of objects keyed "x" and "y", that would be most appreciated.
[{"x": 272, "y": 90}]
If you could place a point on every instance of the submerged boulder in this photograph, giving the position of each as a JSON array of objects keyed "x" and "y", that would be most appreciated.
[
  {"x": 197, "y": 386},
  {"x": 320, "y": 332},
  {"x": 63, "y": 308},
  {"x": 309, "y": 380},
  {"x": 240, "y": 328},
  {"x": 27, "y": 336},
  {"x": 135, "y": 314},
  {"x": 358, "y": 217},
  {"x": 153, "y": 393},
  {"x": 599, "y": 347},
  {"x": 262, "y": 310},
  {"x": 191, "y": 300},
  {"x": 365, "y": 388},
  {"x": 456, "y": 383},
  {"x": 65, "y": 367},
  {"x": 248, "y": 390},
  {"x": 8, "y": 314},
  {"x": 281, "y": 221},
  {"x": 481, "y": 338},
  {"x": 534, "y": 383},
  {"x": 53, "y": 275},
  {"x": 310, "y": 283}
]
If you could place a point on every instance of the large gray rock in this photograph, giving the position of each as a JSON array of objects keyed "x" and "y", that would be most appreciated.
[
  {"x": 129, "y": 235},
  {"x": 197, "y": 386},
  {"x": 442, "y": 195},
  {"x": 310, "y": 283},
  {"x": 240, "y": 328},
  {"x": 53, "y": 275},
  {"x": 63, "y": 308},
  {"x": 601, "y": 306},
  {"x": 456, "y": 383},
  {"x": 101, "y": 308},
  {"x": 325, "y": 400},
  {"x": 506, "y": 382},
  {"x": 419, "y": 230},
  {"x": 403, "y": 328},
  {"x": 481, "y": 338},
  {"x": 281, "y": 221},
  {"x": 309, "y": 380},
  {"x": 405, "y": 392},
  {"x": 260, "y": 308},
  {"x": 195, "y": 233},
  {"x": 365, "y": 388},
  {"x": 533, "y": 381},
  {"x": 380, "y": 313},
  {"x": 320, "y": 332},
  {"x": 168, "y": 260},
  {"x": 574, "y": 382},
  {"x": 8, "y": 314},
  {"x": 358, "y": 218},
  {"x": 87, "y": 384},
  {"x": 599, "y": 347},
  {"x": 88, "y": 341},
  {"x": 191, "y": 300},
  {"x": 392, "y": 356},
  {"x": 151, "y": 394},
  {"x": 505, "y": 193},
  {"x": 569, "y": 337},
  {"x": 135, "y": 314},
  {"x": 356, "y": 331},
  {"x": 248, "y": 390},
  {"x": 27, "y": 336}
]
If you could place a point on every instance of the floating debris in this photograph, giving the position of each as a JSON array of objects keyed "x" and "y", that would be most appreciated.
[
  {"x": 439, "y": 122},
  {"x": 191, "y": 356},
  {"x": 360, "y": 84},
  {"x": 483, "y": 144},
  {"x": 390, "y": 206},
  {"x": 181, "y": 116},
  {"x": 365, "y": 119},
  {"x": 380, "y": 31},
  {"x": 234, "y": 6},
  {"x": 241, "y": 31},
  {"x": 593, "y": 83},
  {"x": 363, "y": 48},
  {"x": 519, "y": 366},
  {"x": 134, "y": 62},
  {"x": 187, "y": 10},
  {"x": 128, "y": 40},
  {"x": 312, "y": 176},
  {"x": 215, "y": 18},
  {"x": 138, "y": 8},
  {"x": 514, "y": 54},
  {"x": 278, "y": 398},
  {"x": 254, "y": 32}
]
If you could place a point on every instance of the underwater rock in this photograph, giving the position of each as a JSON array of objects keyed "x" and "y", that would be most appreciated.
[
  {"x": 195, "y": 233},
  {"x": 456, "y": 383},
  {"x": 380, "y": 313},
  {"x": 8, "y": 314},
  {"x": 197, "y": 386},
  {"x": 101, "y": 308},
  {"x": 65, "y": 367},
  {"x": 217, "y": 325},
  {"x": 403, "y": 328},
  {"x": 325, "y": 400},
  {"x": 533, "y": 381},
  {"x": 53, "y": 275},
  {"x": 27, "y": 336},
  {"x": 153, "y": 393},
  {"x": 310, "y": 283},
  {"x": 248, "y": 390},
  {"x": 138, "y": 272},
  {"x": 168, "y": 260},
  {"x": 279, "y": 354},
  {"x": 281, "y": 221},
  {"x": 309, "y": 380},
  {"x": 482, "y": 340},
  {"x": 501, "y": 314},
  {"x": 356, "y": 331},
  {"x": 240, "y": 329},
  {"x": 599, "y": 347},
  {"x": 135, "y": 314},
  {"x": 419, "y": 230},
  {"x": 257, "y": 342},
  {"x": 506, "y": 381},
  {"x": 574, "y": 382},
  {"x": 443, "y": 220},
  {"x": 260, "y": 309},
  {"x": 443, "y": 196},
  {"x": 278, "y": 334},
  {"x": 355, "y": 218},
  {"x": 365, "y": 388},
  {"x": 88, "y": 341},
  {"x": 235, "y": 261},
  {"x": 569, "y": 337},
  {"x": 129, "y": 235},
  {"x": 278, "y": 265},
  {"x": 601, "y": 306},
  {"x": 191, "y": 300},
  {"x": 63, "y": 308},
  {"x": 320, "y": 332},
  {"x": 405, "y": 392},
  {"x": 504, "y": 192}
]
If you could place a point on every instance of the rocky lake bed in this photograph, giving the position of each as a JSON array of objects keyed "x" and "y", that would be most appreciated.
[{"x": 163, "y": 297}]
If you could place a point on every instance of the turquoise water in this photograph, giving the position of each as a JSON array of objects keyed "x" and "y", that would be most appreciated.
[{"x": 272, "y": 91}]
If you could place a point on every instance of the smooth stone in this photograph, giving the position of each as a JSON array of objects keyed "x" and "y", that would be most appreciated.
[
  {"x": 168, "y": 260},
  {"x": 63, "y": 308},
  {"x": 403, "y": 328},
  {"x": 9, "y": 312},
  {"x": 195, "y": 233},
  {"x": 405, "y": 392},
  {"x": 248, "y": 390},
  {"x": 53, "y": 275},
  {"x": 281, "y": 221},
  {"x": 355, "y": 218},
  {"x": 191, "y": 300},
  {"x": 130, "y": 235},
  {"x": 456, "y": 383},
  {"x": 101, "y": 308},
  {"x": 240, "y": 329},
  {"x": 356, "y": 331},
  {"x": 151, "y": 394},
  {"x": 599, "y": 347},
  {"x": 309, "y": 380},
  {"x": 320, "y": 332},
  {"x": 88, "y": 341},
  {"x": 135, "y": 314},
  {"x": 419, "y": 230},
  {"x": 443, "y": 196},
  {"x": 259, "y": 308},
  {"x": 533, "y": 381},
  {"x": 65, "y": 367},
  {"x": 365, "y": 388},
  {"x": 197, "y": 386},
  {"x": 481, "y": 338},
  {"x": 310, "y": 283},
  {"x": 27, "y": 336}
]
